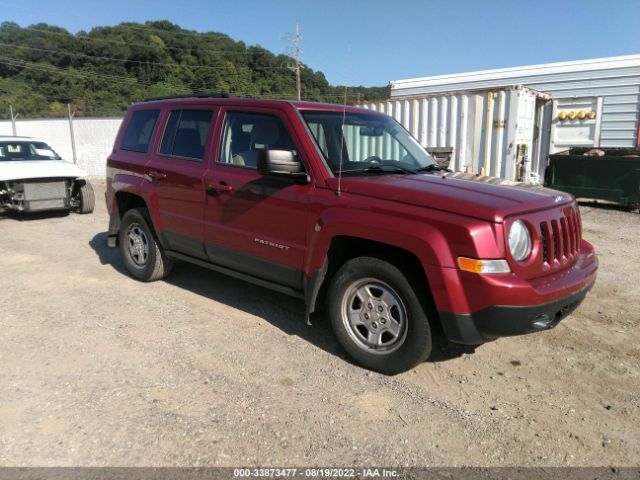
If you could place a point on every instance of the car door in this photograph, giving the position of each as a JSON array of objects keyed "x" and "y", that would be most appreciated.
[
  {"x": 176, "y": 171},
  {"x": 255, "y": 224}
]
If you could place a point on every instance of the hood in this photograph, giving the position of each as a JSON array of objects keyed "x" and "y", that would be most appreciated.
[
  {"x": 23, "y": 169},
  {"x": 487, "y": 198}
]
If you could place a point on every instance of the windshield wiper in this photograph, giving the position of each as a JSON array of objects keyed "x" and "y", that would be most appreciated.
[
  {"x": 434, "y": 167},
  {"x": 378, "y": 169}
]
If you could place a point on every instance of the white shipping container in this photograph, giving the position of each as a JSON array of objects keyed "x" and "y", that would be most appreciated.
[
  {"x": 495, "y": 132},
  {"x": 609, "y": 86}
]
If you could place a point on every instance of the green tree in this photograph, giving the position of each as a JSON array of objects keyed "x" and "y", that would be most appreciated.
[{"x": 44, "y": 67}]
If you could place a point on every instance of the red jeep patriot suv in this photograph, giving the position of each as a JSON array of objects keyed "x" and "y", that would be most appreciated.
[{"x": 341, "y": 206}]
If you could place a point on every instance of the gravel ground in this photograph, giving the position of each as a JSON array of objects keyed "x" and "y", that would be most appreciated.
[{"x": 97, "y": 369}]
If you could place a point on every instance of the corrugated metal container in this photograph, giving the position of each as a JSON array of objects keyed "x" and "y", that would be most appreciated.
[
  {"x": 614, "y": 80},
  {"x": 491, "y": 131}
]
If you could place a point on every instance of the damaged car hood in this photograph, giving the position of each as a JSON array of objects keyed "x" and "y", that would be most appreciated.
[{"x": 25, "y": 169}]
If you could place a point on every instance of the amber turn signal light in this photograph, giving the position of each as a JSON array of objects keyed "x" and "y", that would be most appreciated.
[{"x": 483, "y": 266}]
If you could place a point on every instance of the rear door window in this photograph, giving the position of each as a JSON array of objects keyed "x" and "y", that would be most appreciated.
[
  {"x": 186, "y": 134},
  {"x": 139, "y": 131}
]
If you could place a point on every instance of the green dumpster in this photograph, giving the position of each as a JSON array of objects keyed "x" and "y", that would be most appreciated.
[{"x": 611, "y": 174}]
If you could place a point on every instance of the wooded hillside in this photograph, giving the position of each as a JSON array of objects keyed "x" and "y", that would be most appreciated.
[{"x": 43, "y": 67}]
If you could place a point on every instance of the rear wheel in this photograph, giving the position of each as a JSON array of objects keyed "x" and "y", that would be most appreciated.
[
  {"x": 86, "y": 198},
  {"x": 143, "y": 256},
  {"x": 377, "y": 317}
]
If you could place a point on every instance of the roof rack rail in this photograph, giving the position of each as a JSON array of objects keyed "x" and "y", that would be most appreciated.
[{"x": 191, "y": 95}]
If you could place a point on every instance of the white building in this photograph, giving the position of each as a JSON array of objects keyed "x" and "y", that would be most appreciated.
[{"x": 495, "y": 126}]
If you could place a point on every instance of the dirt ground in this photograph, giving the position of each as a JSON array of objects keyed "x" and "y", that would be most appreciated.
[{"x": 97, "y": 369}]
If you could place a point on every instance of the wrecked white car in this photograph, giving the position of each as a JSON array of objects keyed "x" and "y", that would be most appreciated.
[{"x": 34, "y": 178}]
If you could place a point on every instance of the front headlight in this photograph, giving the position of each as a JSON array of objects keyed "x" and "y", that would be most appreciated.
[{"x": 519, "y": 241}]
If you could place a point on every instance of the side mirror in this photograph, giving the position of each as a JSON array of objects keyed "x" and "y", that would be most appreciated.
[{"x": 281, "y": 163}]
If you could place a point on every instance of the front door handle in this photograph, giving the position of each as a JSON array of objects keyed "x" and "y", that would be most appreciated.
[
  {"x": 220, "y": 187},
  {"x": 157, "y": 175}
]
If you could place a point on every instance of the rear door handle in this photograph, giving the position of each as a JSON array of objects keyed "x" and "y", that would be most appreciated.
[
  {"x": 220, "y": 187},
  {"x": 157, "y": 175}
]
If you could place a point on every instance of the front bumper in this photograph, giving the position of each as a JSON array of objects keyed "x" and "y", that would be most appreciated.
[
  {"x": 477, "y": 308},
  {"x": 508, "y": 320}
]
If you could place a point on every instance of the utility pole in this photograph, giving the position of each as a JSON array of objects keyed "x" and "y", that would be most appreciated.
[
  {"x": 13, "y": 120},
  {"x": 73, "y": 138},
  {"x": 297, "y": 53}
]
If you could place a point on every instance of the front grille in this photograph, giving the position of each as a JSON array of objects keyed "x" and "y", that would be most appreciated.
[
  {"x": 544, "y": 234},
  {"x": 560, "y": 237}
]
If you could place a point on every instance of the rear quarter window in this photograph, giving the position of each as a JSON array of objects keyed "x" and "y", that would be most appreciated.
[{"x": 139, "y": 131}]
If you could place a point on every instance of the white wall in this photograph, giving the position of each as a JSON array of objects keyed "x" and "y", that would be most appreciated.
[{"x": 94, "y": 138}]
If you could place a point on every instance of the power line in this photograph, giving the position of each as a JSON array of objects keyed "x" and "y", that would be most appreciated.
[
  {"x": 225, "y": 53},
  {"x": 146, "y": 28},
  {"x": 272, "y": 95},
  {"x": 124, "y": 60},
  {"x": 52, "y": 68},
  {"x": 133, "y": 81},
  {"x": 88, "y": 75}
]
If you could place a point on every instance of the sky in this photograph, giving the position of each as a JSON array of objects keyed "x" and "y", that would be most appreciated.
[{"x": 359, "y": 42}]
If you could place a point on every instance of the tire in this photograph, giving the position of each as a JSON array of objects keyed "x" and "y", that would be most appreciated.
[
  {"x": 396, "y": 335},
  {"x": 86, "y": 198},
  {"x": 141, "y": 252}
]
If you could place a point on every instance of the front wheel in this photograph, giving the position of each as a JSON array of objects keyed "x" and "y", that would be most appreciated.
[
  {"x": 85, "y": 196},
  {"x": 142, "y": 254},
  {"x": 377, "y": 316}
]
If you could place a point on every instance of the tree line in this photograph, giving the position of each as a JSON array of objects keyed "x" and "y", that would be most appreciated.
[{"x": 101, "y": 72}]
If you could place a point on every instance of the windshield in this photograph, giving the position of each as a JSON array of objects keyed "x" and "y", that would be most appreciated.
[
  {"x": 365, "y": 143},
  {"x": 26, "y": 150}
]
